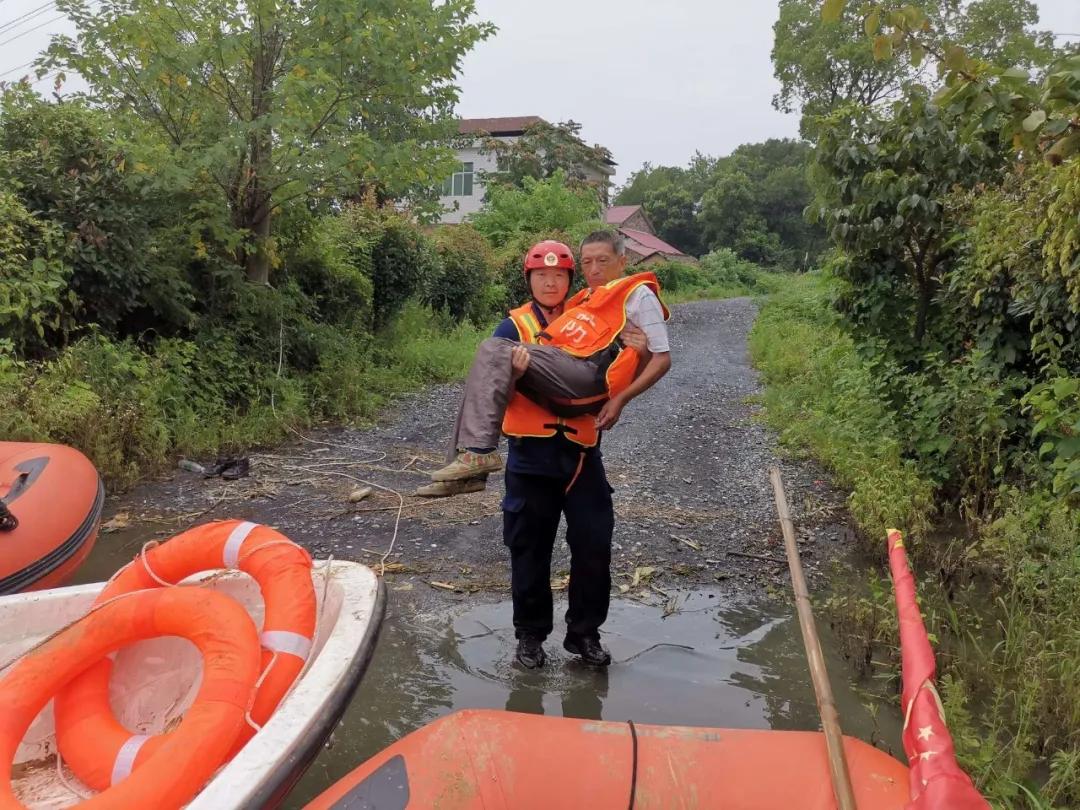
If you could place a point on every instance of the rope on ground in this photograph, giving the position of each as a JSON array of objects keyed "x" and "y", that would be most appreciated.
[
  {"x": 633, "y": 772},
  {"x": 381, "y": 454},
  {"x": 366, "y": 463},
  {"x": 400, "y": 506}
]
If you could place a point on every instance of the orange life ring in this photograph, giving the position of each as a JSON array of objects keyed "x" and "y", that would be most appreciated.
[
  {"x": 189, "y": 755},
  {"x": 101, "y": 751}
]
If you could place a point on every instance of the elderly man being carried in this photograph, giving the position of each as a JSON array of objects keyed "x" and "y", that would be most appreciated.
[{"x": 576, "y": 367}]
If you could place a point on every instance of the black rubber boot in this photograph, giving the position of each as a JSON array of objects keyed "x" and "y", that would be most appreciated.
[
  {"x": 530, "y": 652},
  {"x": 589, "y": 649}
]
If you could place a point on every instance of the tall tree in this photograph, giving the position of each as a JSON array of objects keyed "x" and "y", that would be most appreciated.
[
  {"x": 537, "y": 206},
  {"x": 1002, "y": 32},
  {"x": 545, "y": 149},
  {"x": 822, "y": 64},
  {"x": 825, "y": 61},
  {"x": 884, "y": 179},
  {"x": 646, "y": 180},
  {"x": 755, "y": 201},
  {"x": 273, "y": 100},
  {"x": 671, "y": 208}
]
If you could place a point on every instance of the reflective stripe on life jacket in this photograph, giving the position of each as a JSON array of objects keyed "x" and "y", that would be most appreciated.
[{"x": 526, "y": 418}]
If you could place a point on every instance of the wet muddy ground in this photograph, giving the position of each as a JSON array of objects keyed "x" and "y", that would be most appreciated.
[{"x": 701, "y": 629}]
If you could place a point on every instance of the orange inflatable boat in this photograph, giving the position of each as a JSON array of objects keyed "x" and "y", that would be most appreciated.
[
  {"x": 50, "y": 506},
  {"x": 493, "y": 760}
]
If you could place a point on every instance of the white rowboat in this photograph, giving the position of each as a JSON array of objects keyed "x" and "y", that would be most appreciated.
[{"x": 155, "y": 681}]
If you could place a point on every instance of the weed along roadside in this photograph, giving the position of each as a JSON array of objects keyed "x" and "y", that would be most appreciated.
[{"x": 999, "y": 586}]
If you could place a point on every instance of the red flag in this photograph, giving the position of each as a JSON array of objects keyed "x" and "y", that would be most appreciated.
[{"x": 936, "y": 780}]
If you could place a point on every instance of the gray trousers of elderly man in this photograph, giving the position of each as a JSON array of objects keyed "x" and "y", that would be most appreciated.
[{"x": 552, "y": 374}]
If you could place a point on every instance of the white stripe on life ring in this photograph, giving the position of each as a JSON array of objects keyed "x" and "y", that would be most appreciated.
[
  {"x": 284, "y": 641},
  {"x": 231, "y": 554},
  {"x": 125, "y": 757}
]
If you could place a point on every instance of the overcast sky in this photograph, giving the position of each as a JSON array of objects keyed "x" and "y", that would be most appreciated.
[{"x": 650, "y": 81}]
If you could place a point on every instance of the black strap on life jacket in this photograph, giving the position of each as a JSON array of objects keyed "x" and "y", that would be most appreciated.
[{"x": 561, "y": 427}]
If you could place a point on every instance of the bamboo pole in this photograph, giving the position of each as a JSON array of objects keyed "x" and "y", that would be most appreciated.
[{"x": 830, "y": 719}]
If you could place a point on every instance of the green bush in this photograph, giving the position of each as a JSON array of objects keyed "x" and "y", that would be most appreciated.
[
  {"x": 545, "y": 207},
  {"x": 463, "y": 274},
  {"x": 1000, "y": 595},
  {"x": 403, "y": 260},
  {"x": 34, "y": 299},
  {"x": 334, "y": 267},
  {"x": 720, "y": 274},
  {"x": 132, "y": 408},
  {"x": 725, "y": 267},
  {"x": 64, "y": 162},
  {"x": 1055, "y": 407},
  {"x": 823, "y": 398},
  {"x": 677, "y": 276}
]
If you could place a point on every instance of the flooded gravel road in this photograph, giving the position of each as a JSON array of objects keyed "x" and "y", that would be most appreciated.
[{"x": 702, "y": 630}]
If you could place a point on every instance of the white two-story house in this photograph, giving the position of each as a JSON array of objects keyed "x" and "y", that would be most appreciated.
[{"x": 463, "y": 192}]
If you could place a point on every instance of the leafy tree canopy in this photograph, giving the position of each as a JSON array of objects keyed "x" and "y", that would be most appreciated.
[
  {"x": 269, "y": 101},
  {"x": 751, "y": 201},
  {"x": 545, "y": 149},
  {"x": 538, "y": 206},
  {"x": 824, "y": 61}
]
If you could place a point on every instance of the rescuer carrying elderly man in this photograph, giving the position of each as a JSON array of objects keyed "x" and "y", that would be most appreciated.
[
  {"x": 574, "y": 368},
  {"x": 554, "y": 468}
]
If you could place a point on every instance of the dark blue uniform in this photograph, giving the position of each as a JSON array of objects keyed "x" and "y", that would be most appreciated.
[{"x": 547, "y": 478}]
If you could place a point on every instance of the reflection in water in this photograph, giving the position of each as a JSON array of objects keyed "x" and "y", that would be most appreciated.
[
  {"x": 711, "y": 664},
  {"x": 582, "y": 696}
]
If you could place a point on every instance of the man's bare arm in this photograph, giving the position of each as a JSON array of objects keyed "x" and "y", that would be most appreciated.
[
  {"x": 634, "y": 338},
  {"x": 657, "y": 366}
]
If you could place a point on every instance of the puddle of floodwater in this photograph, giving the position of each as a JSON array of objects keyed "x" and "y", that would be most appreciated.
[
  {"x": 708, "y": 665},
  {"x": 712, "y": 663}
]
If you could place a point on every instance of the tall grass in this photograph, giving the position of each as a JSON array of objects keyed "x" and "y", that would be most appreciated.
[
  {"x": 133, "y": 409},
  {"x": 999, "y": 597},
  {"x": 824, "y": 402}
]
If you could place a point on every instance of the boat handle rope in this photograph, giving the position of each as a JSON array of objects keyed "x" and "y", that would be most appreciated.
[
  {"x": 633, "y": 771},
  {"x": 8, "y": 521}
]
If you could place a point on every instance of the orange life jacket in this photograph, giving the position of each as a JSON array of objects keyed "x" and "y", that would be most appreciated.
[
  {"x": 590, "y": 324},
  {"x": 526, "y": 418}
]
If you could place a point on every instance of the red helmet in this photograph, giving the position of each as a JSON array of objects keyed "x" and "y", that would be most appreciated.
[{"x": 549, "y": 253}]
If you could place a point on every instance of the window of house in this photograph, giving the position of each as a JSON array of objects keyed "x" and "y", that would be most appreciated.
[{"x": 460, "y": 183}]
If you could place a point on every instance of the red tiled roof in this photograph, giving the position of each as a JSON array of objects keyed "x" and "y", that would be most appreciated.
[
  {"x": 651, "y": 244},
  {"x": 497, "y": 126},
  {"x": 618, "y": 214}
]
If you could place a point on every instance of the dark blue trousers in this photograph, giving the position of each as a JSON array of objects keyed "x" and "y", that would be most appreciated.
[{"x": 531, "y": 512}]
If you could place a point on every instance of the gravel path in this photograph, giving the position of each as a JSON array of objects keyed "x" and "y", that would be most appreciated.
[{"x": 688, "y": 463}]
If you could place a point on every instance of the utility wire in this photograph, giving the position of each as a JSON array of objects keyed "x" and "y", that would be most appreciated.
[
  {"x": 29, "y": 15},
  {"x": 51, "y": 76},
  {"x": 15, "y": 69},
  {"x": 31, "y": 30}
]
